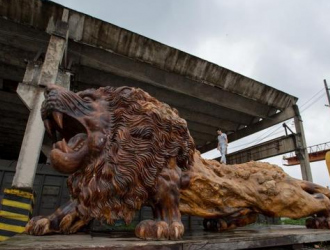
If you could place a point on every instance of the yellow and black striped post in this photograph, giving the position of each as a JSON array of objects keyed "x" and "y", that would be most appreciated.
[{"x": 15, "y": 212}]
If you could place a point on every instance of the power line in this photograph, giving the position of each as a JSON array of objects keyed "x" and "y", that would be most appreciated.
[
  {"x": 315, "y": 96},
  {"x": 315, "y": 101},
  {"x": 268, "y": 135},
  {"x": 261, "y": 137},
  {"x": 311, "y": 98}
]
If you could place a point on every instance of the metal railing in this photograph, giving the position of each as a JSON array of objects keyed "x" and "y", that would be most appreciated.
[{"x": 311, "y": 149}]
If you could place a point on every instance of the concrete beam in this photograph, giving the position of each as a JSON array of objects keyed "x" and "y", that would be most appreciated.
[
  {"x": 11, "y": 132},
  {"x": 31, "y": 145},
  {"x": 97, "y": 33},
  {"x": 40, "y": 41},
  {"x": 54, "y": 55},
  {"x": 288, "y": 113},
  {"x": 10, "y": 98},
  {"x": 93, "y": 78},
  {"x": 12, "y": 126},
  {"x": 136, "y": 70},
  {"x": 13, "y": 116},
  {"x": 14, "y": 140},
  {"x": 200, "y": 136},
  {"x": 11, "y": 107},
  {"x": 28, "y": 89},
  {"x": 11, "y": 72},
  {"x": 278, "y": 146},
  {"x": 206, "y": 129},
  {"x": 20, "y": 122},
  {"x": 14, "y": 56},
  {"x": 23, "y": 37},
  {"x": 192, "y": 109},
  {"x": 204, "y": 119}
]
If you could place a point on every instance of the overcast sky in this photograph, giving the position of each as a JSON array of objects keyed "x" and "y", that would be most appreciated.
[{"x": 282, "y": 43}]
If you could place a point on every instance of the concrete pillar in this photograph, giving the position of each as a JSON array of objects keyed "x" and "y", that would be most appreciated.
[
  {"x": 301, "y": 150},
  {"x": 30, "y": 149},
  {"x": 31, "y": 91}
]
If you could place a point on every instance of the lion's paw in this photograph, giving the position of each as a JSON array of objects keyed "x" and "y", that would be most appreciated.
[
  {"x": 38, "y": 226},
  {"x": 152, "y": 230},
  {"x": 176, "y": 230},
  {"x": 159, "y": 230},
  {"x": 215, "y": 224},
  {"x": 74, "y": 227},
  {"x": 66, "y": 224},
  {"x": 318, "y": 223}
]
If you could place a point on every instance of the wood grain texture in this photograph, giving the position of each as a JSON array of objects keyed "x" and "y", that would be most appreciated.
[{"x": 124, "y": 149}]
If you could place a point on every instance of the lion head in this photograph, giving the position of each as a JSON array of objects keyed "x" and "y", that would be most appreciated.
[{"x": 113, "y": 142}]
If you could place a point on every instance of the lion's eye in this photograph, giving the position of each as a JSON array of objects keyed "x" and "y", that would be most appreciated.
[{"x": 87, "y": 99}]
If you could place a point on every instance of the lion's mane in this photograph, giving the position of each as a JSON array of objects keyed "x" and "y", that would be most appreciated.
[{"x": 143, "y": 136}]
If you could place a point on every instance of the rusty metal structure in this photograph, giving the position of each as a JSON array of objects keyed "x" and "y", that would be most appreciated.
[{"x": 315, "y": 152}]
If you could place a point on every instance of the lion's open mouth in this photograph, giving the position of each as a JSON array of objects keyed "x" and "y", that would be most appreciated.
[
  {"x": 69, "y": 140},
  {"x": 67, "y": 133}
]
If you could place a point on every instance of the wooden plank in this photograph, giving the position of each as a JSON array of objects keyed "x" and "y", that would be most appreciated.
[{"x": 244, "y": 238}]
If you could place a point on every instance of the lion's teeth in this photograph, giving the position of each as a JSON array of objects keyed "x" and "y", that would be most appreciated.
[
  {"x": 48, "y": 126},
  {"x": 65, "y": 146},
  {"x": 58, "y": 117}
]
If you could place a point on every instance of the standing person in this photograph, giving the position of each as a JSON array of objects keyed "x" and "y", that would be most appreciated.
[{"x": 222, "y": 145}]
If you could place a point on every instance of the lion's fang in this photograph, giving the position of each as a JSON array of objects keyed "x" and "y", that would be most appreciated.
[
  {"x": 48, "y": 127},
  {"x": 58, "y": 117}
]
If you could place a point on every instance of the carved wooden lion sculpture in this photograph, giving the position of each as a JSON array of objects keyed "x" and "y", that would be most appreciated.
[{"x": 124, "y": 149}]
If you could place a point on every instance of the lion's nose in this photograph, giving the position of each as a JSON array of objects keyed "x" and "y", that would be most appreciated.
[{"x": 52, "y": 90}]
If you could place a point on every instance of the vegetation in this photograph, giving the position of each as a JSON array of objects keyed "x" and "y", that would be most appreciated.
[{"x": 286, "y": 221}]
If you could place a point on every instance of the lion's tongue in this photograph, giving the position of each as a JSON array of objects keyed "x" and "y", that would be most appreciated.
[{"x": 77, "y": 141}]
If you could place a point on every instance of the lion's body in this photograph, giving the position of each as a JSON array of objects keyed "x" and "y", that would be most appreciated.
[
  {"x": 218, "y": 190},
  {"x": 124, "y": 149},
  {"x": 143, "y": 136}
]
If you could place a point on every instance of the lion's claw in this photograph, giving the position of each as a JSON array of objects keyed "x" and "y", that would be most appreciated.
[
  {"x": 159, "y": 230},
  {"x": 38, "y": 226},
  {"x": 176, "y": 230}
]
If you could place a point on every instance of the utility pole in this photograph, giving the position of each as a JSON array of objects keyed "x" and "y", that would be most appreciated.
[
  {"x": 327, "y": 91},
  {"x": 301, "y": 150}
]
